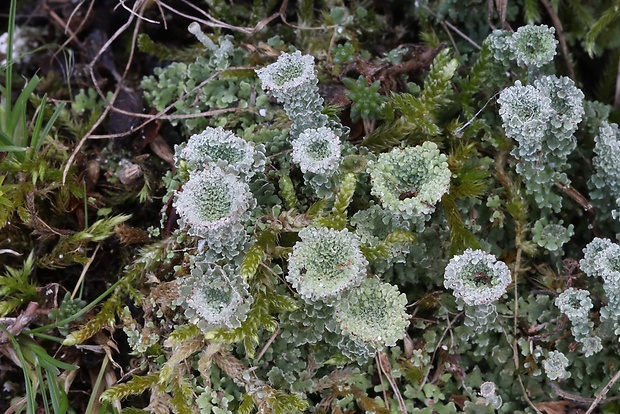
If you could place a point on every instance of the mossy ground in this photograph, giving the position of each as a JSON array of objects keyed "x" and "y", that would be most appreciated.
[{"x": 87, "y": 218}]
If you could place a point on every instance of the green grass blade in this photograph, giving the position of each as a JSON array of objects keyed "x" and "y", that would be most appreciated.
[
  {"x": 36, "y": 130},
  {"x": 93, "y": 395},
  {"x": 18, "y": 114},
  {"x": 76, "y": 315},
  {"x": 6, "y": 144},
  {"x": 46, "y": 360},
  {"x": 31, "y": 402},
  {"x": 37, "y": 140},
  {"x": 60, "y": 402},
  {"x": 5, "y": 139},
  {"x": 11, "y": 148},
  {"x": 37, "y": 369},
  {"x": 9, "y": 62}
]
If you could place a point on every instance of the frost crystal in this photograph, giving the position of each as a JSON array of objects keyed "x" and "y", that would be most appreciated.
[
  {"x": 214, "y": 296},
  {"x": 213, "y": 206},
  {"x": 477, "y": 277},
  {"x": 555, "y": 366},
  {"x": 534, "y": 46},
  {"x": 317, "y": 151},
  {"x": 216, "y": 146},
  {"x": 373, "y": 315},
  {"x": 410, "y": 181},
  {"x": 325, "y": 262},
  {"x": 292, "y": 81}
]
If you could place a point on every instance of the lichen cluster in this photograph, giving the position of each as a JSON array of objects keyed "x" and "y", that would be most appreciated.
[
  {"x": 542, "y": 118},
  {"x": 293, "y": 82},
  {"x": 409, "y": 182},
  {"x": 329, "y": 234}
]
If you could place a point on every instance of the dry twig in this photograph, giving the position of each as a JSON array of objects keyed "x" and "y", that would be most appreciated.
[{"x": 559, "y": 30}]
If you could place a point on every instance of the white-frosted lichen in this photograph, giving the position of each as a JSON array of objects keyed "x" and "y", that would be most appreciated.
[
  {"x": 221, "y": 148},
  {"x": 525, "y": 113},
  {"x": 555, "y": 366},
  {"x": 373, "y": 315},
  {"x": 317, "y": 151},
  {"x": 488, "y": 392},
  {"x": 477, "y": 277},
  {"x": 220, "y": 53},
  {"x": 598, "y": 258},
  {"x": 602, "y": 259},
  {"x": 500, "y": 43},
  {"x": 290, "y": 71},
  {"x": 575, "y": 304},
  {"x": 615, "y": 214},
  {"x": 605, "y": 183},
  {"x": 194, "y": 28},
  {"x": 542, "y": 118},
  {"x": 591, "y": 345},
  {"x": 410, "y": 181},
  {"x": 293, "y": 82},
  {"x": 213, "y": 206},
  {"x": 22, "y": 44},
  {"x": 566, "y": 102},
  {"x": 551, "y": 236},
  {"x": 534, "y": 46},
  {"x": 214, "y": 296},
  {"x": 325, "y": 262}
]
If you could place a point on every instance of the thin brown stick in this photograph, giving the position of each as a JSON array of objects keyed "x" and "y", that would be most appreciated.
[
  {"x": 107, "y": 109},
  {"x": 603, "y": 392},
  {"x": 516, "y": 270},
  {"x": 557, "y": 23},
  {"x": 577, "y": 197},
  {"x": 160, "y": 114},
  {"x": 139, "y": 16},
  {"x": 22, "y": 321},
  {"x": 155, "y": 117},
  {"x": 570, "y": 397},
  {"x": 383, "y": 391},
  {"x": 268, "y": 344},
  {"x": 72, "y": 36},
  {"x": 384, "y": 366},
  {"x": 515, "y": 355},
  {"x": 456, "y": 30},
  {"x": 617, "y": 95},
  {"x": 84, "y": 271},
  {"x": 55, "y": 17},
  {"x": 445, "y": 28},
  {"x": 213, "y": 22},
  {"x": 443, "y": 335}
]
